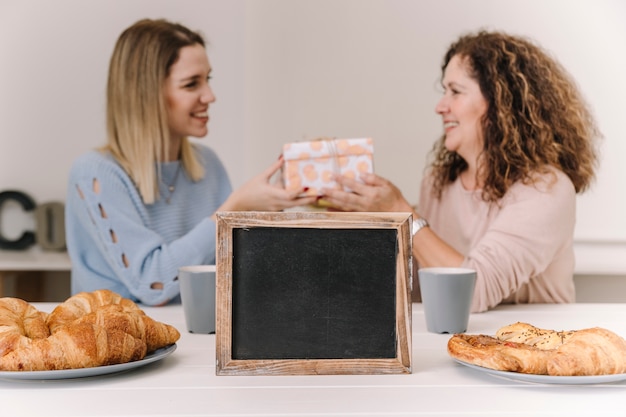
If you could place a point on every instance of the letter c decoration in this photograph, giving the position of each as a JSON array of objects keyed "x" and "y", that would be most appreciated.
[{"x": 28, "y": 204}]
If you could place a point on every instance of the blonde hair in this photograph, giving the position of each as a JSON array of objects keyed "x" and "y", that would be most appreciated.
[{"x": 138, "y": 134}]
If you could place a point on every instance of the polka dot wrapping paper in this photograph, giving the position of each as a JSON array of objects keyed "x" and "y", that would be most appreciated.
[{"x": 313, "y": 165}]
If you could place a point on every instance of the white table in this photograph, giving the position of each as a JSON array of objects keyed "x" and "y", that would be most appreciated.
[{"x": 185, "y": 384}]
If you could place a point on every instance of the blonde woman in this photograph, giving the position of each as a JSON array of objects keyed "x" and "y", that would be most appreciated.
[
  {"x": 143, "y": 205},
  {"x": 519, "y": 143}
]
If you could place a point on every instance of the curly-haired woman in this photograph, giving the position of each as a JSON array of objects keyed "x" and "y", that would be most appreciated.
[{"x": 519, "y": 143}]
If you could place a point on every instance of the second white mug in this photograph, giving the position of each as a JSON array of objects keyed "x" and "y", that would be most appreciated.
[{"x": 197, "y": 294}]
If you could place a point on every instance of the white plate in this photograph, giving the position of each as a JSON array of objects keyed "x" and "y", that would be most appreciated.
[
  {"x": 85, "y": 372},
  {"x": 548, "y": 379}
]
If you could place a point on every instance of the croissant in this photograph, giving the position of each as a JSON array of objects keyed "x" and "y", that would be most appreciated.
[
  {"x": 594, "y": 351},
  {"x": 155, "y": 334},
  {"x": 523, "y": 348},
  {"x": 84, "y": 303},
  {"x": 82, "y": 345},
  {"x": 19, "y": 322}
]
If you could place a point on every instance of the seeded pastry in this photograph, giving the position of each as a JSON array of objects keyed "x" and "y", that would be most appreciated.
[
  {"x": 523, "y": 348},
  {"x": 490, "y": 352},
  {"x": 533, "y": 336}
]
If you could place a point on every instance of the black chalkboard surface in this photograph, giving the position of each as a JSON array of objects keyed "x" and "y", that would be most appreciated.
[
  {"x": 320, "y": 300},
  {"x": 311, "y": 293}
]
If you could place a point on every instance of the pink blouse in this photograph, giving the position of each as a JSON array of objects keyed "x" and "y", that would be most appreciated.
[{"x": 521, "y": 247}]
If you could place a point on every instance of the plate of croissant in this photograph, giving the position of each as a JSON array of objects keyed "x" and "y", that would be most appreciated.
[
  {"x": 523, "y": 352},
  {"x": 91, "y": 333}
]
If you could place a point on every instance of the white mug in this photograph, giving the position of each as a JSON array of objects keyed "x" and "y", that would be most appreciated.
[
  {"x": 197, "y": 294},
  {"x": 447, "y": 295}
]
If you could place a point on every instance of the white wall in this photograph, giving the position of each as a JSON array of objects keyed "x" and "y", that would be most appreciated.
[
  {"x": 371, "y": 67},
  {"x": 295, "y": 69},
  {"x": 53, "y": 66}
]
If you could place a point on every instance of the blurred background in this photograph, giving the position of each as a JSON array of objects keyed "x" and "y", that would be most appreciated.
[{"x": 289, "y": 70}]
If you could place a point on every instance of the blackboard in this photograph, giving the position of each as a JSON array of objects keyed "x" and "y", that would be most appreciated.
[
  {"x": 313, "y": 293},
  {"x": 303, "y": 305}
]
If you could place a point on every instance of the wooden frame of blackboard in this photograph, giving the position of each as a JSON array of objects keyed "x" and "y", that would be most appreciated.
[{"x": 232, "y": 224}]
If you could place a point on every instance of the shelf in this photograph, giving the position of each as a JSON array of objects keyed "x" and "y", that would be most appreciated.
[
  {"x": 592, "y": 258},
  {"x": 34, "y": 259},
  {"x": 600, "y": 258}
]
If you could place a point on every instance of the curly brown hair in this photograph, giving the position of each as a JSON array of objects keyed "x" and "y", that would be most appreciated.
[{"x": 536, "y": 117}]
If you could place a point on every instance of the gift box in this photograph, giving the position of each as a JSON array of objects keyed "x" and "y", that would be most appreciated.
[{"x": 312, "y": 165}]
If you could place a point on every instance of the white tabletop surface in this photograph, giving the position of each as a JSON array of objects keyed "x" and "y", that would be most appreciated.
[{"x": 185, "y": 384}]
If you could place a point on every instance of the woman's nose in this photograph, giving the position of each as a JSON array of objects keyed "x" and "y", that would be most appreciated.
[
  {"x": 207, "y": 95},
  {"x": 442, "y": 106}
]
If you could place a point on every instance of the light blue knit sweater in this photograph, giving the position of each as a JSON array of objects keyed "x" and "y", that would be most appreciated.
[{"x": 103, "y": 229}]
